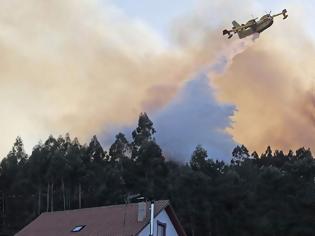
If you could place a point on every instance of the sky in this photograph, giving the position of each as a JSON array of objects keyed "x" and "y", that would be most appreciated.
[
  {"x": 158, "y": 14},
  {"x": 92, "y": 66}
]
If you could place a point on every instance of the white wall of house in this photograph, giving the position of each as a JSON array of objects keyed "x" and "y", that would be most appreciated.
[{"x": 163, "y": 218}]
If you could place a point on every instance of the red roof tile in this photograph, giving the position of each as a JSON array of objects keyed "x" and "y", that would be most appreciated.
[{"x": 117, "y": 220}]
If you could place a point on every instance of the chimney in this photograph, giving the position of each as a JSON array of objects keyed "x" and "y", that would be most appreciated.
[
  {"x": 152, "y": 218},
  {"x": 142, "y": 211}
]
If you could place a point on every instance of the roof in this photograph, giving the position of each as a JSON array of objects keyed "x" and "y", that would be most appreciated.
[{"x": 116, "y": 220}]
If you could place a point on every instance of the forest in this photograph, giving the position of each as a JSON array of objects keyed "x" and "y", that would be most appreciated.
[{"x": 272, "y": 193}]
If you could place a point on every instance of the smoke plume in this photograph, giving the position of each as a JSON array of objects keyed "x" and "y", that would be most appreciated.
[
  {"x": 85, "y": 67},
  {"x": 195, "y": 116}
]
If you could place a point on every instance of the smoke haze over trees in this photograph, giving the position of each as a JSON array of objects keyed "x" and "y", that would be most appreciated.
[
  {"x": 85, "y": 54},
  {"x": 193, "y": 116},
  {"x": 268, "y": 194}
]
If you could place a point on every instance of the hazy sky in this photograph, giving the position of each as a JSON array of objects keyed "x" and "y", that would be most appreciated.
[
  {"x": 158, "y": 14},
  {"x": 89, "y": 66}
]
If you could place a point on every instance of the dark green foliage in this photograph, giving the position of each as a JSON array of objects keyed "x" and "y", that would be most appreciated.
[
  {"x": 148, "y": 168},
  {"x": 268, "y": 194},
  {"x": 240, "y": 154},
  {"x": 120, "y": 149}
]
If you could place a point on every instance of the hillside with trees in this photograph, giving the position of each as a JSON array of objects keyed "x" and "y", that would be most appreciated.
[{"x": 268, "y": 194}]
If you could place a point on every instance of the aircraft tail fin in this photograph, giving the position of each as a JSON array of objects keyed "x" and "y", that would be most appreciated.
[{"x": 235, "y": 24}]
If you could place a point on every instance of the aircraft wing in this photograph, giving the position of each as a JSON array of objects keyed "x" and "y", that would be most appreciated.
[
  {"x": 283, "y": 13},
  {"x": 237, "y": 29},
  {"x": 243, "y": 27}
]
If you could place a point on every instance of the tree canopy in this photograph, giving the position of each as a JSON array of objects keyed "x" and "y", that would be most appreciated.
[{"x": 268, "y": 194}]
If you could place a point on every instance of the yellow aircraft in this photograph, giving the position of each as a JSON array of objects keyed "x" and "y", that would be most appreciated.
[{"x": 253, "y": 26}]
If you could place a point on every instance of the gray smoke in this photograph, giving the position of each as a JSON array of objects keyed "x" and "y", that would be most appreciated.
[{"x": 195, "y": 116}]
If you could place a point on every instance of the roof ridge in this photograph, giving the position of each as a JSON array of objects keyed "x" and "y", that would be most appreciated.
[
  {"x": 114, "y": 217},
  {"x": 108, "y": 206}
]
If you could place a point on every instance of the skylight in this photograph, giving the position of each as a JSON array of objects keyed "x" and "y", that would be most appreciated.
[{"x": 78, "y": 228}]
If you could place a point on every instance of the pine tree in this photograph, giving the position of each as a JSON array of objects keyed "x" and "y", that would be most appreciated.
[
  {"x": 149, "y": 165},
  {"x": 95, "y": 151},
  {"x": 240, "y": 154},
  {"x": 143, "y": 134},
  {"x": 17, "y": 154},
  {"x": 120, "y": 149},
  {"x": 199, "y": 158},
  {"x": 15, "y": 183}
]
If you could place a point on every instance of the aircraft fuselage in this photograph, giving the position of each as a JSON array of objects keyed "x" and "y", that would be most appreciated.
[{"x": 264, "y": 23}]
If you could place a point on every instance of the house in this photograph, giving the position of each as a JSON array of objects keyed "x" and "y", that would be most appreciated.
[{"x": 117, "y": 220}]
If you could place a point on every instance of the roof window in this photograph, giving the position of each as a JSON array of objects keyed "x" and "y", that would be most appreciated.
[{"x": 77, "y": 228}]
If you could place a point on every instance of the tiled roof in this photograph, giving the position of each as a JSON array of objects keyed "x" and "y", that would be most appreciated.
[{"x": 117, "y": 220}]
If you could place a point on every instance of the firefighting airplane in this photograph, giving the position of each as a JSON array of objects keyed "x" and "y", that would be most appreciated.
[{"x": 253, "y": 26}]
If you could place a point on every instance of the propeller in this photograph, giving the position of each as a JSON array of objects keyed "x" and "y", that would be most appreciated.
[
  {"x": 253, "y": 17},
  {"x": 284, "y": 13},
  {"x": 230, "y": 35}
]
